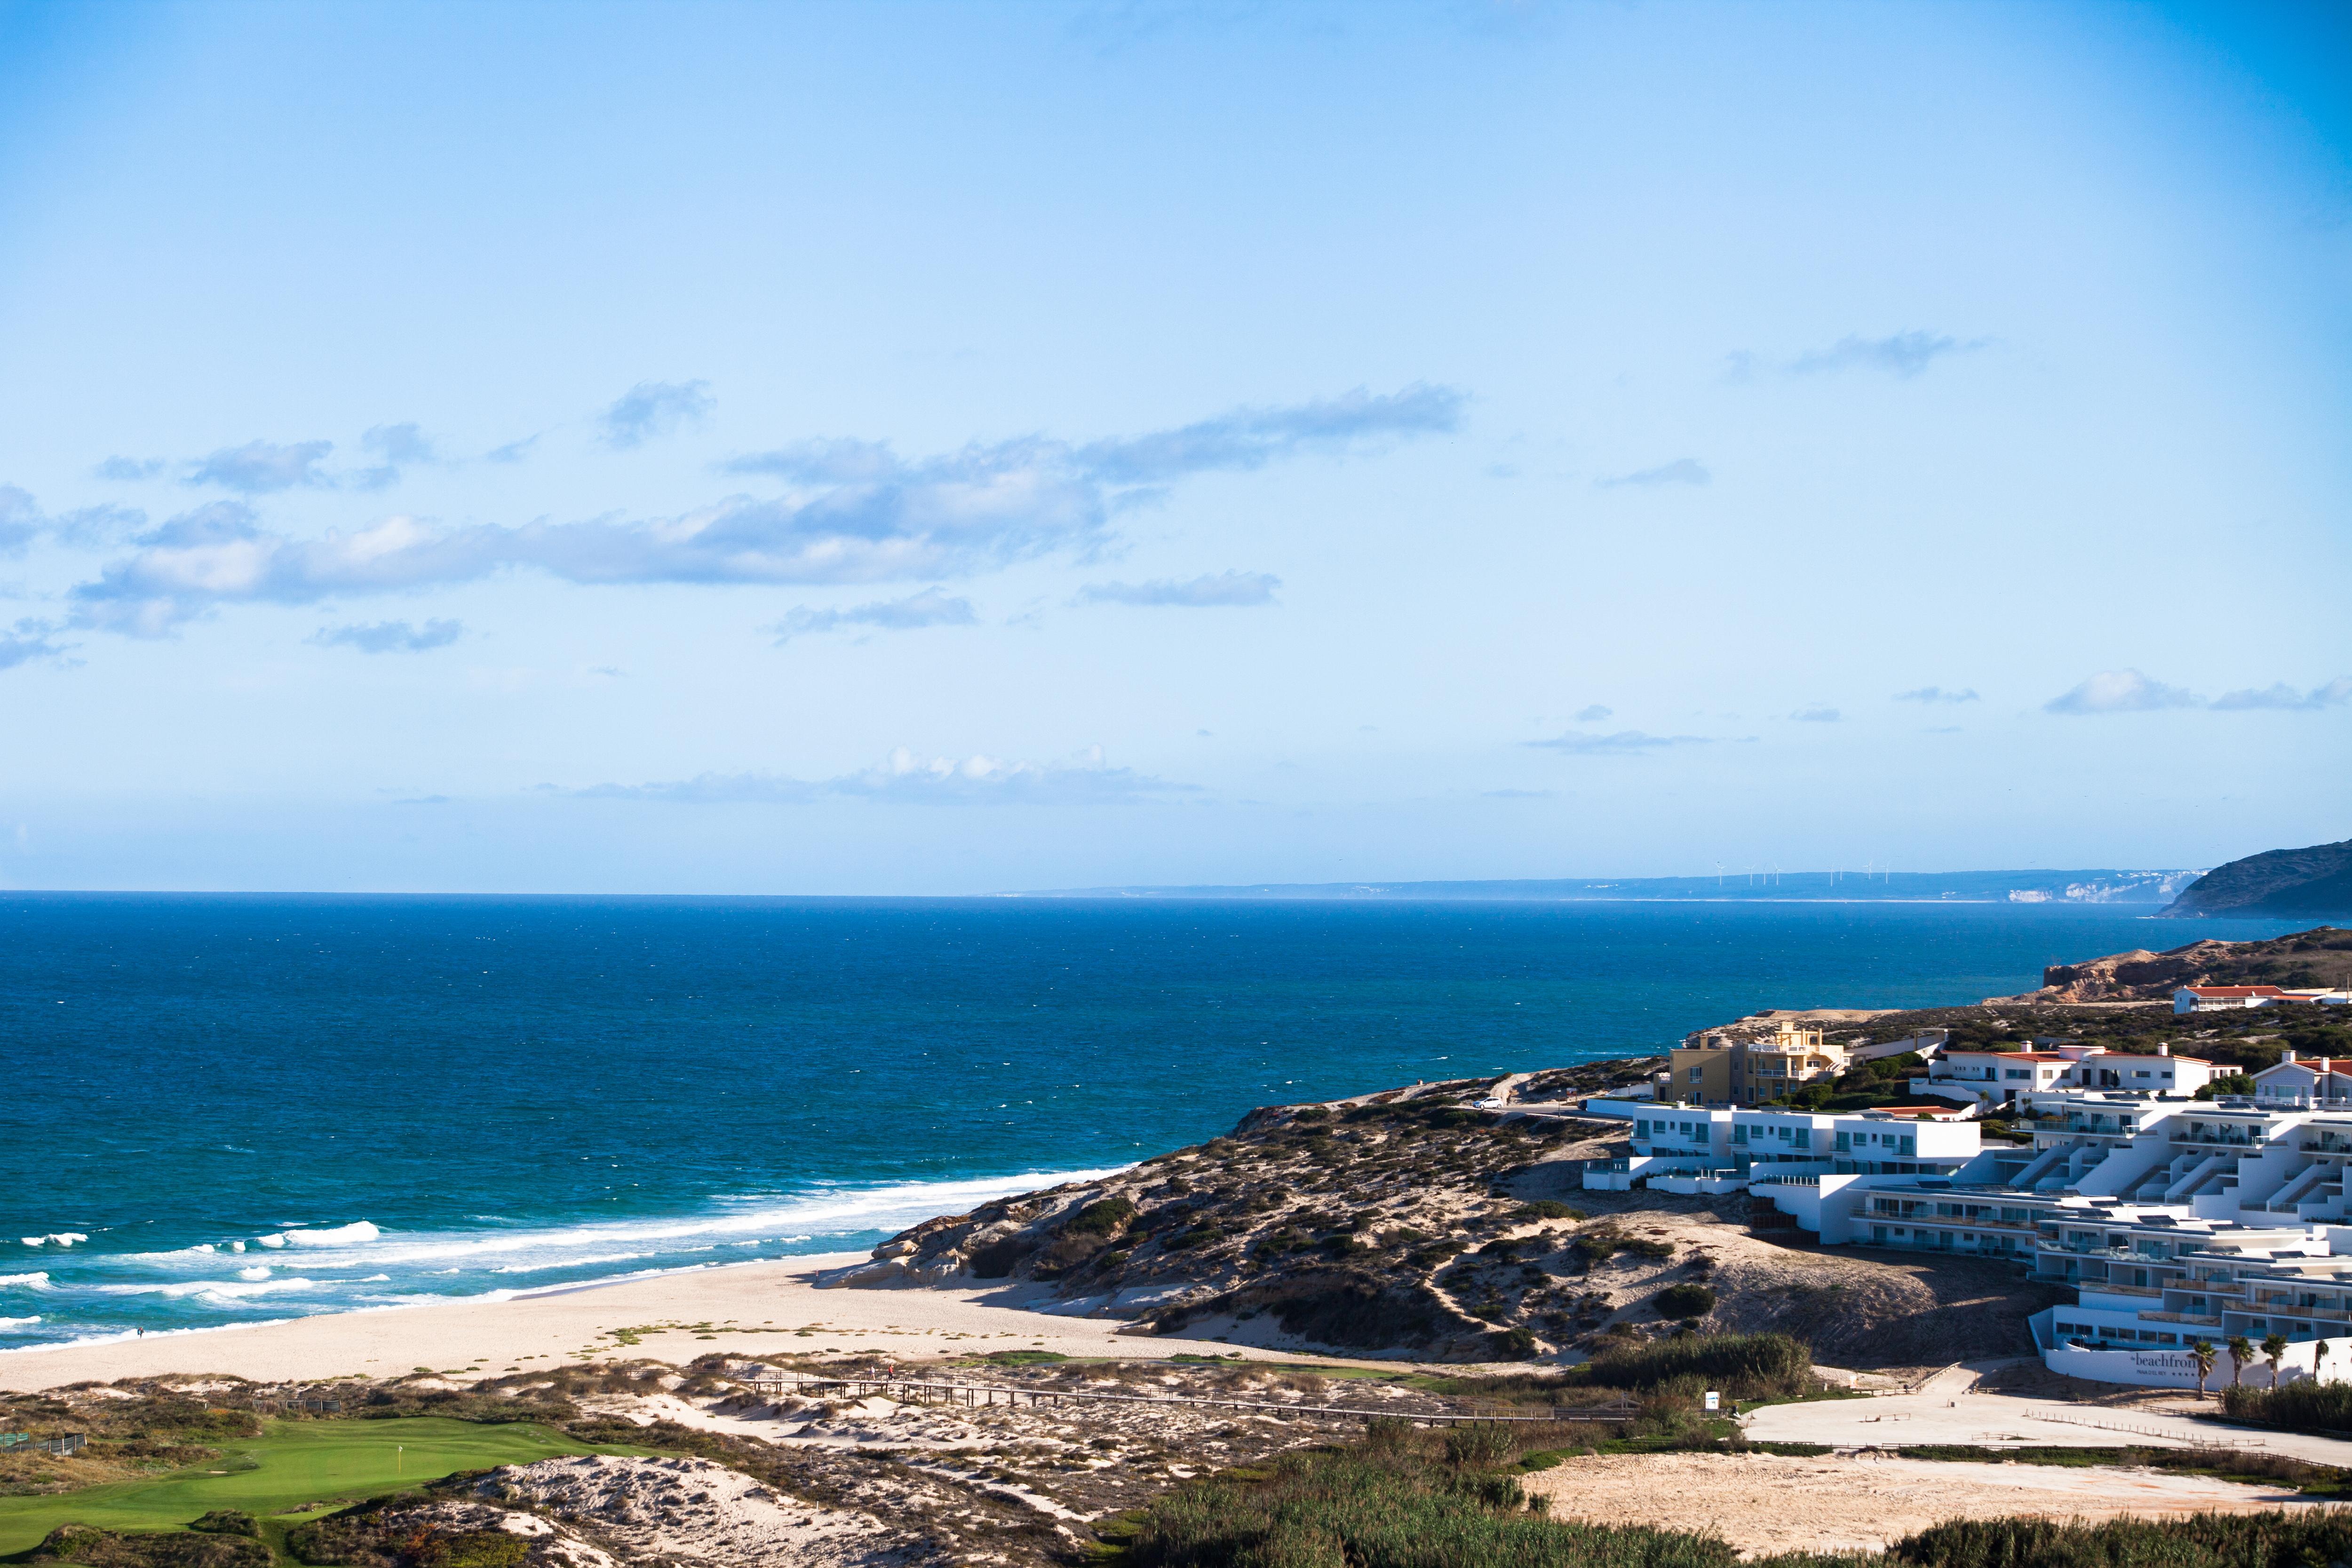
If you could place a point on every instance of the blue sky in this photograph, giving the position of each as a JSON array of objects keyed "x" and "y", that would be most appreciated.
[{"x": 944, "y": 449}]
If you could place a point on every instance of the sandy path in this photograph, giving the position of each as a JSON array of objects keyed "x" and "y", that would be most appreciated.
[
  {"x": 1764, "y": 1503},
  {"x": 760, "y": 1308},
  {"x": 1950, "y": 1412}
]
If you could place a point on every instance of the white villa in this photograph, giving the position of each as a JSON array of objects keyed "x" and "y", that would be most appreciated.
[{"x": 1991, "y": 1078}]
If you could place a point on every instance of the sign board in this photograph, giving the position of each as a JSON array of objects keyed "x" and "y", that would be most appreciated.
[{"x": 1714, "y": 1399}]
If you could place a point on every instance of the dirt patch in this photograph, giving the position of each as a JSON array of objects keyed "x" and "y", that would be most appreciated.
[{"x": 1764, "y": 1503}]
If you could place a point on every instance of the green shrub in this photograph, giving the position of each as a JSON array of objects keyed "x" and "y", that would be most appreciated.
[
  {"x": 1482, "y": 1446},
  {"x": 1684, "y": 1302},
  {"x": 1746, "y": 1366},
  {"x": 1104, "y": 1216},
  {"x": 2299, "y": 1406},
  {"x": 1311, "y": 1113},
  {"x": 1548, "y": 1209}
]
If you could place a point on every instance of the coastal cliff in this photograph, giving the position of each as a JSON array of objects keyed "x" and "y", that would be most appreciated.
[
  {"x": 2321, "y": 955},
  {"x": 2285, "y": 883}
]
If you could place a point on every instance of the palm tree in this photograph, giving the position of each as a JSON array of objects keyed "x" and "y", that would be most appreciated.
[
  {"x": 2241, "y": 1351},
  {"x": 2319, "y": 1360},
  {"x": 2273, "y": 1347},
  {"x": 2202, "y": 1353}
]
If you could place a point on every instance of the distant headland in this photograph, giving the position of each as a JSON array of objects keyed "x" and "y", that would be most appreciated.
[{"x": 2088, "y": 887}]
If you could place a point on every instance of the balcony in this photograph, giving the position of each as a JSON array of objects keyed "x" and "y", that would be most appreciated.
[{"x": 2213, "y": 1322}]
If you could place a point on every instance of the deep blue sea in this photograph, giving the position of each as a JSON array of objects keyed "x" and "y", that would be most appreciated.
[{"x": 227, "y": 1109}]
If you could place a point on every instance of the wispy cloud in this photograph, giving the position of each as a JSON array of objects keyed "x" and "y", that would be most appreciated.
[
  {"x": 129, "y": 470},
  {"x": 20, "y": 520},
  {"x": 1594, "y": 713},
  {"x": 654, "y": 408},
  {"x": 1681, "y": 471},
  {"x": 906, "y": 779},
  {"x": 390, "y": 637},
  {"x": 1623, "y": 742},
  {"x": 1253, "y": 437},
  {"x": 2119, "y": 691},
  {"x": 2128, "y": 691},
  {"x": 1937, "y": 694},
  {"x": 851, "y": 512},
  {"x": 1226, "y": 587},
  {"x": 512, "y": 452},
  {"x": 2285, "y": 698},
  {"x": 1900, "y": 354},
  {"x": 1904, "y": 354},
  {"x": 27, "y": 641},
  {"x": 263, "y": 468},
  {"x": 932, "y": 607},
  {"x": 1816, "y": 714},
  {"x": 398, "y": 444}
]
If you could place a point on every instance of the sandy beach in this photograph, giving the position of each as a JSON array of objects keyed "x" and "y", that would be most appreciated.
[{"x": 767, "y": 1307}]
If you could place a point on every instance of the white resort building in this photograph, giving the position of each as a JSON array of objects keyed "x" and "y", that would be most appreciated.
[{"x": 2174, "y": 1220}]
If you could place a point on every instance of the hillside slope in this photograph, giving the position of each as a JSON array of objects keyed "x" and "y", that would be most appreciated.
[
  {"x": 1414, "y": 1223},
  {"x": 2286, "y": 883}
]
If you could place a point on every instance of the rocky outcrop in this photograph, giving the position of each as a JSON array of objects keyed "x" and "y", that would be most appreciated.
[
  {"x": 2287, "y": 884},
  {"x": 2319, "y": 956}
]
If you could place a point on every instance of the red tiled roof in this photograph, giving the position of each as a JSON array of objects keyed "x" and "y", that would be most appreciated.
[{"x": 2233, "y": 991}]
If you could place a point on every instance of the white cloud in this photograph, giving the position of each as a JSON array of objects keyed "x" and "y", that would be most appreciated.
[
  {"x": 1623, "y": 742},
  {"x": 906, "y": 779},
  {"x": 654, "y": 408},
  {"x": 390, "y": 637},
  {"x": 1816, "y": 714},
  {"x": 1937, "y": 694},
  {"x": 2119, "y": 691},
  {"x": 1681, "y": 471},
  {"x": 263, "y": 468},
  {"x": 1904, "y": 354},
  {"x": 28, "y": 641},
  {"x": 1594, "y": 713},
  {"x": 2285, "y": 698},
  {"x": 1226, "y": 587},
  {"x": 849, "y": 513},
  {"x": 932, "y": 607}
]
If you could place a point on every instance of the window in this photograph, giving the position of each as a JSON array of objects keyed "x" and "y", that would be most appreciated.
[
  {"x": 1696, "y": 1073},
  {"x": 1804, "y": 1137},
  {"x": 1738, "y": 1134},
  {"x": 1908, "y": 1146},
  {"x": 2015, "y": 1072},
  {"x": 1844, "y": 1142}
]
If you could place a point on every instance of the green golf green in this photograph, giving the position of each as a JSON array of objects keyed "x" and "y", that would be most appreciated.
[{"x": 292, "y": 1463}]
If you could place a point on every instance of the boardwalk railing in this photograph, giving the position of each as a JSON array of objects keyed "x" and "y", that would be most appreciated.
[
  {"x": 982, "y": 1395},
  {"x": 2163, "y": 1434}
]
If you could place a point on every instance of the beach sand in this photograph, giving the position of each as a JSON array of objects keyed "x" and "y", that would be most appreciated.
[{"x": 756, "y": 1308}]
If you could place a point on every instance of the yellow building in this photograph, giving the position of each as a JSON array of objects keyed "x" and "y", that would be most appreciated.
[{"x": 1717, "y": 1067}]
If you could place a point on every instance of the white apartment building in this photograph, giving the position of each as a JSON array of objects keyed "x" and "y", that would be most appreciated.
[
  {"x": 1991, "y": 1078},
  {"x": 2300, "y": 1084},
  {"x": 2174, "y": 1221},
  {"x": 1685, "y": 1148},
  {"x": 2224, "y": 998}
]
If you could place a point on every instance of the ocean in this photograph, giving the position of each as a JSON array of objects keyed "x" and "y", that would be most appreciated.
[{"x": 231, "y": 1109}]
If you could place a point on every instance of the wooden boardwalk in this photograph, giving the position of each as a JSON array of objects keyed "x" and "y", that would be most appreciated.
[{"x": 982, "y": 1396}]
